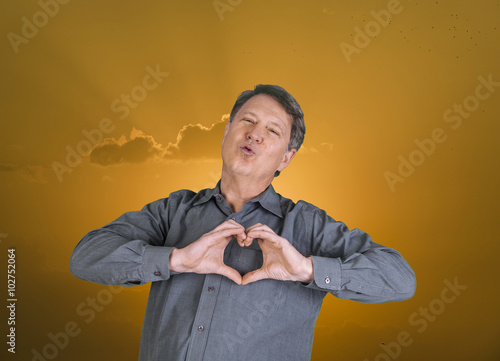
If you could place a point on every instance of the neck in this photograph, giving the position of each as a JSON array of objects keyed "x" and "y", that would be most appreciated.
[{"x": 239, "y": 190}]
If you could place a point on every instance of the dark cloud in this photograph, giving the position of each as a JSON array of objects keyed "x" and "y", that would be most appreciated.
[
  {"x": 138, "y": 149},
  {"x": 194, "y": 141}
]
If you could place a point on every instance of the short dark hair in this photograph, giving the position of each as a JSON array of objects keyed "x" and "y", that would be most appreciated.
[{"x": 287, "y": 101}]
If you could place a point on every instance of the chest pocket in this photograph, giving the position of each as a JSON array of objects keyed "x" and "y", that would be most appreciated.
[{"x": 264, "y": 295}]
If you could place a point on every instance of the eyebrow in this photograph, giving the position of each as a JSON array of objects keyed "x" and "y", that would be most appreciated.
[{"x": 273, "y": 122}]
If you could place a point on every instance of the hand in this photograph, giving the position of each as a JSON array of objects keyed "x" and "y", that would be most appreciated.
[
  {"x": 206, "y": 254},
  {"x": 281, "y": 260}
]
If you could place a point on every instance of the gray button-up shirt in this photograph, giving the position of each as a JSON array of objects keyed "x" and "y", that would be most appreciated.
[{"x": 198, "y": 317}]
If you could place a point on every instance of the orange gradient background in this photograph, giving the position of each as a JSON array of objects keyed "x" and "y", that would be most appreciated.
[{"x": 362, "y": 115}]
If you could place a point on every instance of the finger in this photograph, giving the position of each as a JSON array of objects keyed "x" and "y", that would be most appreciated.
[
  {"x": 250, "y": 232},
  {"x": 264, "y": 234},
  {"x": 228, "y": 233},
  {"x": 244, "y": 242},
  {"x": 223, "y": 227},
  {"x": 255, "y": 225},
  {"x": 248, "y": 241},
  {"x": 241, "y": 242},
  {"x": 230, "y": 222},
  {"x": 259, "y": 227},
  {"x": 241, "y": 236},
  {"x": 230, "y": 273},
  {"x": 254, "y": 276}
]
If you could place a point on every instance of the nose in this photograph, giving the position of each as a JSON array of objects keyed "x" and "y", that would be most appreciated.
[{"x": 255, "y": 134}]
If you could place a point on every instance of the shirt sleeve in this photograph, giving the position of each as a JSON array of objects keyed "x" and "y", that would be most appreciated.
[
  {"x": 128, "y": 251},
  {"x": 349, "y": 265}
]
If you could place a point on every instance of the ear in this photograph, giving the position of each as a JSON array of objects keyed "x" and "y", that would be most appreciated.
[
  {"x": 226, "y": 129},
  {"x": 287, "y": 158}
]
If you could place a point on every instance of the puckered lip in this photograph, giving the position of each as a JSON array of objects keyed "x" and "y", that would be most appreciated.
[{"x": 247, "y": 149}]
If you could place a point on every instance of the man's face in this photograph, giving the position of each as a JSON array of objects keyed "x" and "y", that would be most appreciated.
[{"x": 255, "y": 142}]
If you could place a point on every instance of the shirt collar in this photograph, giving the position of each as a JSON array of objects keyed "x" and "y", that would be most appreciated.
[{"x": 269, "y": 199}]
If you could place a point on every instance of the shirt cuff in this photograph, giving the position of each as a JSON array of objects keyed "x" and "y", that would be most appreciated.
[
  {"x": 155, "y": 264},
  {"x": 327, "y": 274}
]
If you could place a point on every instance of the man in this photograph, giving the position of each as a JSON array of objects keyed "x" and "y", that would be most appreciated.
[{"x": 239, "y": 272}]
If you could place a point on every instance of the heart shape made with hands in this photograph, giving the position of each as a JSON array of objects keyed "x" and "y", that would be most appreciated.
[{"x": 281, "y": 261}]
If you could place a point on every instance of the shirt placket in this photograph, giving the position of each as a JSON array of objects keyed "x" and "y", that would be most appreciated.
[
  {"x": 208, "y": 299},
  {"x": 203, "y": 318}
]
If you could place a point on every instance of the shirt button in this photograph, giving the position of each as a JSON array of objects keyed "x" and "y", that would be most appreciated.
[
  {"x": 233, "y": 218},
  {"x": 210, "y": 288},
  {"x": 218, "y": 197},
  {"x": 201, "y": 328},
  {"x": 327, "y": 280},
  {"x": 157, "y": 273}
]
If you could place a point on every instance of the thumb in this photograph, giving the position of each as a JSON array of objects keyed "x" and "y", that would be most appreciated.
[
  {"x": 230, "y": 273},
  {"x": 254, "y": 276}
]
